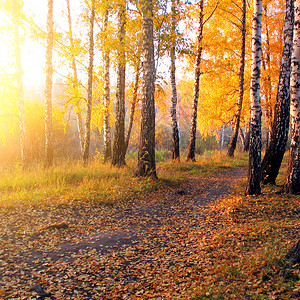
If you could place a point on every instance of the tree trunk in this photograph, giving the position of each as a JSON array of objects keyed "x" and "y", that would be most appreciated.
[
  {"x": 146, "y": 156},
  {"x": 267, "y": 80},
  {"x": 48, "y": 88},
  {"x": 193, "y": 129},
  {"x": 247, "y": 139},
  {"x": 118, "y": 157},
  {"x": 75, "y": 82},
  {"x": 133, "y": 104},
  {"x": 20, "y": 94},
  {"x": 242, "y": 137},
  {"x": 106, "y": 99},
  {"x": 87, "y": 136},
  {"x": 280, "y": 126},
  {"x": 236, "y": 126},
  {"x": 254, "y": 172},
  {"x": 292, "y": 181},
  {"x": 175, "y": 131}
]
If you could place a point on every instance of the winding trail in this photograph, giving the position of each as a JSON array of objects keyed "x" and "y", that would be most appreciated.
[{"x": 143, "y": 252}]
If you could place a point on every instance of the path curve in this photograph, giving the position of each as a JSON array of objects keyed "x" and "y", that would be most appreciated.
[{"x": 150, "y": 253}]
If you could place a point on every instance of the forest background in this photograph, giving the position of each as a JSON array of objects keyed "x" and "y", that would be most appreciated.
[{"x": 219, "y": 81}]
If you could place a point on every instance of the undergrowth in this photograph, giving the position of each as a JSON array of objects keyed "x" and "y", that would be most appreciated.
[{"x": 98, "y": 182}]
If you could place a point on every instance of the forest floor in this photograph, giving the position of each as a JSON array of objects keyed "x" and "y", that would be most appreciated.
[{"x": 201, "y": 239}]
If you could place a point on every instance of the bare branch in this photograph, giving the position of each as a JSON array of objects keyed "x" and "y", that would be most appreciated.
[{"x": 211, "y": 14}]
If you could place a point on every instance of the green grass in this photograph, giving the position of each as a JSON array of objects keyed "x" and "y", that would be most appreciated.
[{"x": 101, "y": 183}]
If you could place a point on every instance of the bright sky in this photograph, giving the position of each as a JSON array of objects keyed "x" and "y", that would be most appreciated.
[{"x": 32, "y": 52}]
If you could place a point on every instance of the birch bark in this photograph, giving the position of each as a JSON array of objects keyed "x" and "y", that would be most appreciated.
[
  {"x": 118, "y": 156},
  {"x": 106, "y": 99},
  {"x": 254, "y": 171},
  {"x": 280, "y": 126},
  {"x": 292, "y": 181},
  {"x": 174, "y": 101},
  {"x": 146, "y": 156},
  {"x": 87, "y": 136},
  {"x": 193, "y": 129}
]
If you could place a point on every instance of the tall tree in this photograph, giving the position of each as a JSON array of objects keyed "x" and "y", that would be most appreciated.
[
  {"x": 254, "y": 171},
  {"x": 193, "y": 128},
  {"x": 48, "y": 88},
  {"x": 106, "y": 95},
  {"x": 75, "y": 81},
  {"x": 86, "y": 146},
  {"x": 146, "y": 156},
  {"x": 237, "y": 117},
  {"x": 20, "y": 94},
  {"x": 292, "y": 181},
  {"x": 118, "y": 156},
  {"x": 266, "y": 64},
  {"x": 175, "y": 130},
  {"x": 280, "y": 126}
]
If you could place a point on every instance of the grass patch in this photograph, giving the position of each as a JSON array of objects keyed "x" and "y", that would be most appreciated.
[
  {"x": 100, "y": 183},
  {"x": 245, "y": 259},
  {"x": 206, "y": 164}
]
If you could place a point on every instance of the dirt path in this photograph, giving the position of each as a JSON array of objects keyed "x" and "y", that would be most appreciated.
[{"x": 148, "y": 251}]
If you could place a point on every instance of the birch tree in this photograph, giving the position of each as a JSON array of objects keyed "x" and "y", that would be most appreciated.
[
  {"x": 146, "y": 155},
  {"x": 106, "y": 95},
  {"x": 280, "y": 126},
  {"x": 193, "y": 128},
  {"x": 86, "y": 146},
  {"x": 16, "y": 10},
  {"x": 118, "y": 156},
  {"x": 292, "y": 181},
  {"x": 254, "y": 171},
  {"x": 175, "y": 130},
  {"x": 237, "y": 117},
  {"x": 48, "y": 88}
]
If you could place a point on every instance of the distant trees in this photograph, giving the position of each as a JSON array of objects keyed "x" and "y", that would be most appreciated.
[
  {"x": 48, "y": 88},
  {"x": 16, "y": 11},
  {"x": 75, "y": 81},
  {"x": 95, "y": 106}
]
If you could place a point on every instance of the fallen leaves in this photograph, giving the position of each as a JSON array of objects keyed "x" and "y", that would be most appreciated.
[{"x": 170, "y": 246}]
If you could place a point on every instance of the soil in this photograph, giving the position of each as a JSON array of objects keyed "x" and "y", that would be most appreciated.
[{"x": 146, "y": 250}]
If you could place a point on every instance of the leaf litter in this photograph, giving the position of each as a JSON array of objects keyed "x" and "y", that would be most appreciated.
[{"x": 193, "y": 240}]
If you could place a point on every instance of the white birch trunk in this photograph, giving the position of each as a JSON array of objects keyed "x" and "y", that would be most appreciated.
[
  {"x": 87, "y": 136},
  {"x": 292, "y": 182},
  {"x": 254, "y": 172}
]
